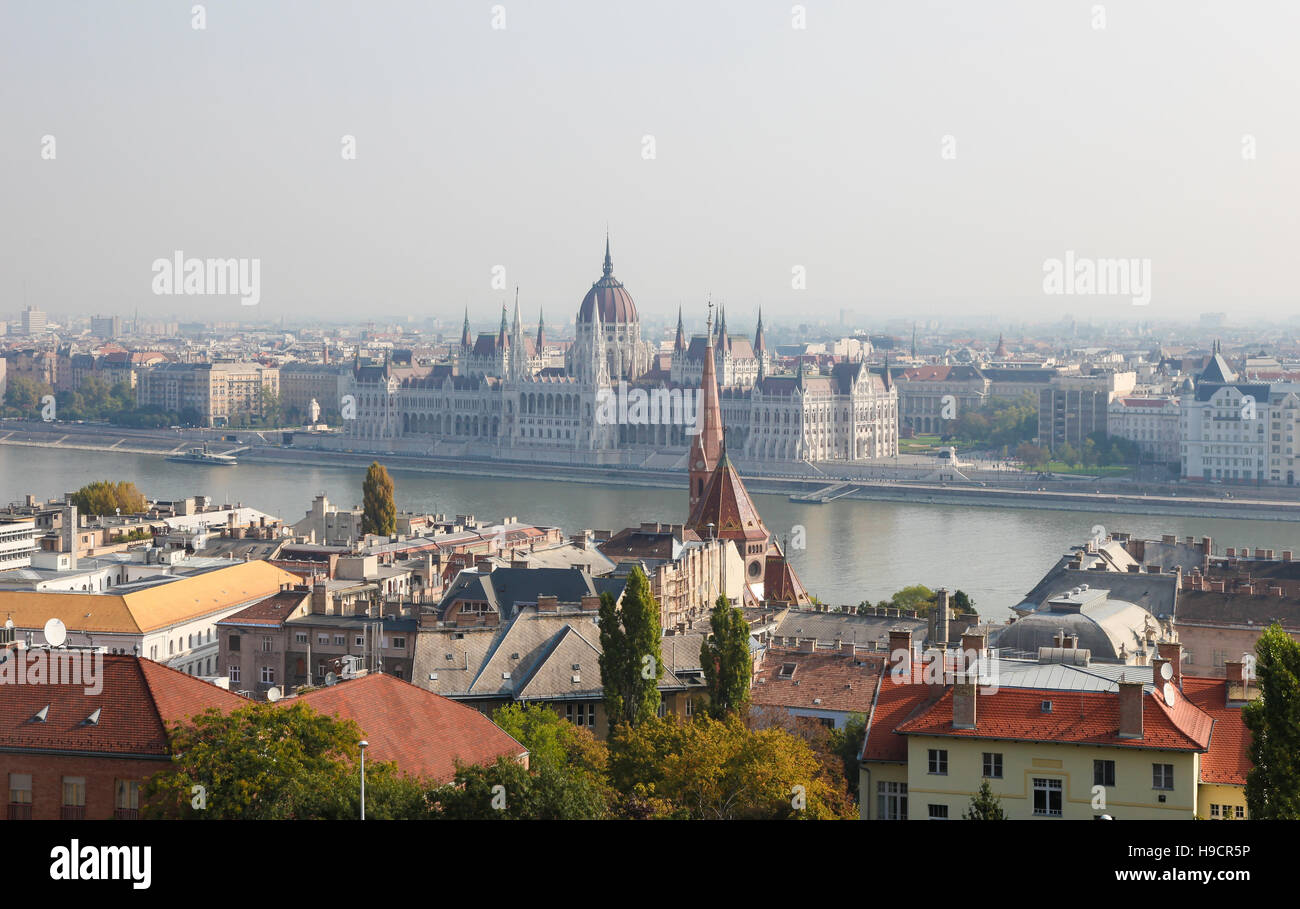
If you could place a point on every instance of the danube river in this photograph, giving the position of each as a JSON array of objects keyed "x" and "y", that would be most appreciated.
[{"x": 854, "y": 550}]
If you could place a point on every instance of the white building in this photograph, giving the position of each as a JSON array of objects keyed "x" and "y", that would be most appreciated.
[{"x": 1153, "y": 423}]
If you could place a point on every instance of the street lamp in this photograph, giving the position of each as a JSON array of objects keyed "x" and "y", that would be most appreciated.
[{"x": 364, "y": 743}]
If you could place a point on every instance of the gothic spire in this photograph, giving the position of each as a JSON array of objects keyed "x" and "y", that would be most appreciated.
[
  {"x": 465, "y": 340},
  {"x": 609, "y": 263},
  {"x": 679, "y": 343},
  {"x": 541, "y": 332}
]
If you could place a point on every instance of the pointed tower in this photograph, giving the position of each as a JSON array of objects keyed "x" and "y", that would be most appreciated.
[
  {"x": 889, "y": 383},
  {"x": 706, "y": 447},
  {"x": 541, "y": 332},
  {"x": 1001, "y": 352},
  {"x": 466, "y": 342},
  {"x": 518, "y": 356},
  {"x": 760, "y": 347},
  {"x": 679, "y": 343},
  {"x": 913, "y": 340}
]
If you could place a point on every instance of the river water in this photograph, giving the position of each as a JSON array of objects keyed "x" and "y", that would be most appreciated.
[{"x": 854, "y": 550}]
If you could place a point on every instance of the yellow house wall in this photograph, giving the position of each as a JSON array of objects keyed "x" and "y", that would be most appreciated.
[
  {"x": 1219, "y": 794},
  {"x": 869, "y": 774},
  {"x": 1131, "y": 798}
]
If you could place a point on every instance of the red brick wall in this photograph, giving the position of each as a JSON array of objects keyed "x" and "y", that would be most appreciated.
[{"x": 47, "y": 772}]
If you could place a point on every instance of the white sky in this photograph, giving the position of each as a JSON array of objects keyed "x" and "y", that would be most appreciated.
[{"x": 775, "y": 147}]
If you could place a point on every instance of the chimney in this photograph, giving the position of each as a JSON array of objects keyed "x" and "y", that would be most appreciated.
[
  {"x": 1286, "y": 555},
  {"x": 848, "y": 647},
  {"x": 808, "y": 645},
  {"x": 900, "y": 649},
  {"x": 1173, "y": 652},
  {"x": 1130, "y": 710},
  {"x": 548, "y": 603},
  {"x": 1236, "y": 681},
  {"x": 964, "y": 698},
  {"x": 941, "y": 616},
  {"x": 589, "y": 603},
  {"x": 1207, "y": 545},
  {"x": 972, "y": 649},
  {"x": 1158, "y": 673}
]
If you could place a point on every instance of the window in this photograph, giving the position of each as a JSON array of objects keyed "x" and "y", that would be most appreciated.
[
  {"x": 399, "y": 643},
  {"x": 266, "y": 644},
  {"x": 74, "y": 798},
  {"x": 339, "y": 640},
  {"x": 690, "y": 707},
  {"x": 1047, "y": 797},
  {"x": 1162, "y": 776},
  {"x": 939, "y": 761},
  {"x": 268, "y": 675},
  {"x": 127, "y": 806},
  {"x": 234, "y": 673},
  {"x": 993, "y": 765},
  {"x": 1103, "y": 773},
  {"x": 300, "y": 637},
  {"x": 361, "y": 640},
  {"x": 234, "y": 643},
  {"x": 1238, "y": 811},
  {"x": 891, "y": 801},
  {"x": 20, "y": 796},
  {"x": 938, "y": 812},
  {"x": 322, "y": 639},
  {"x": 1214, "y": 811}
]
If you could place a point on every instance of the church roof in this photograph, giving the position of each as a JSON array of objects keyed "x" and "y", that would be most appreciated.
[{"x": 726, "y": 504}]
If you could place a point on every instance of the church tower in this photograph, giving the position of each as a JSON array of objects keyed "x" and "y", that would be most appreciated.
[{"x": 706, "y": 447}]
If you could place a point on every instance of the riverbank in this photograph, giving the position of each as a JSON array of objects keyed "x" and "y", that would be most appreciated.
[{"x": 261, "y": 448}]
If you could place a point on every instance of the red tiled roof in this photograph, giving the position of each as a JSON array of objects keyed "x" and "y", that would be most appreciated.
[
  {"x": 827, "y": 680},
  {"x": 424, "y": 733},
  {"x": 894, "y": 704},
  {"x": 139, "y": 698},
  {"x": 1077, "y": 717},
  {"x": 1228, "y": 760}
]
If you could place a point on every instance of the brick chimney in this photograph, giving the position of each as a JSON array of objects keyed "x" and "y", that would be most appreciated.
[
  {"x": 548, "y": 603},
  {"x": 964, "y": 699},
  {"x": 900, "y": 649},
  {"x": 1158, "y": 673},
  {"x": 1173, "y": 652},
  {"x": 972, "y": 649},
  {"x": 941, "y": 616},
  {"x": 589, "y": 603},
  {"x": 1130, "y": 710}
]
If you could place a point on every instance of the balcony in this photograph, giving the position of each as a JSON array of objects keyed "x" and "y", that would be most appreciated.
[
  {"x": 72, "y": 813},
  {"x": 20, "y": 812},
  {"x": 126, "y": 814}
]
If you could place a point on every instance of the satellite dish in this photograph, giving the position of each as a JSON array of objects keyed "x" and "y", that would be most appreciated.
[
  {"x": 273, "y": 694},
  {"x": 331, "y": 679},
  {"x": 1170, "y": 697},
  {"x": 55, "y": 633},
  {"x": 1166, "y": 672},
  {"x": 9, "y": 622}
]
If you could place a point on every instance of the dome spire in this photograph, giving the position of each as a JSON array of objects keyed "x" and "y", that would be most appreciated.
[{"x": 609, "y": 263}]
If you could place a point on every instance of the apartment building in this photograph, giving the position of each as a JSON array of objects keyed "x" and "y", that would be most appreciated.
[
  {"x": 210, "y": 393},
  {"x": 1152, "y": 423}
]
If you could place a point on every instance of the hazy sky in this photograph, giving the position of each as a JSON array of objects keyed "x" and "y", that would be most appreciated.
[{"x": 774, "y": 147}]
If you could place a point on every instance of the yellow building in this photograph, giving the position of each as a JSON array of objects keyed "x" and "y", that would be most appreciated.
[{"x": 1054, "y": 740}]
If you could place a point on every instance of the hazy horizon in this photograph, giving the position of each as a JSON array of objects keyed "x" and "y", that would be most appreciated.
[{"x": 917, "y": 159}]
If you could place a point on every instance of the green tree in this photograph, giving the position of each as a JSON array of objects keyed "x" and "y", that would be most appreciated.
[
  {"x": 262, "y": 762},
  {"x": 631, "y": 661},
  {"x": 106, "y": 497},
  {"x": 846, "y": 743},
  {"x": 1273, "y": 783},
  {"x": 556, "y": 744},
  {"x": 379, "y": 513},
  {"x": 721, "y": 770},
  {"x": 962, "y": 603},
  {"x": 985, "y": 806},
  {"x": 505, "y": 790},
  {"x": 727, "y": 662},
  {"x": 23, "y": 397}
]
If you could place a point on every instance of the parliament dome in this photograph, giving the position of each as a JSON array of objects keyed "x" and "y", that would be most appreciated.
[{"x": 608, "y": 297}]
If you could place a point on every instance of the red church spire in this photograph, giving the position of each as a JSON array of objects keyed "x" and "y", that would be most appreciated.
[{"x": 706, "y": 448}]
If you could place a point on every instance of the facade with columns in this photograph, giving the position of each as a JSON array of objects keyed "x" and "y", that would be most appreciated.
[{"x": 499, "y": 397}]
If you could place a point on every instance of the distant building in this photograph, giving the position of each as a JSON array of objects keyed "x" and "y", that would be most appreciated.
[
  {"x": 213, "y": 392},
  {"x": 107, "y": 327},
  {"x": 1152, "y": 423},
  {"x": 33, "y": 321},
  {"x": 1071, "y": 408}
]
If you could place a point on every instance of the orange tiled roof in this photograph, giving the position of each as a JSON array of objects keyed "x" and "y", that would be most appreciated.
[
  {"x": 1077, "y": 717},
  {"x": 138, "y": 700},
  {"x": 1228, "y": 760},
  {"x": 424, "y": 733},
  {"x": 827, "y": 680}
]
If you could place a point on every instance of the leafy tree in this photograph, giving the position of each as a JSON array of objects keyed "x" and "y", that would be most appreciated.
[
  {"x": 555, "y": 743},
  {"x": 721, "y": 769},
  {"x": 725, "y": 657},
  {"x": 1033, "y": 455},
  {"x": 262, "y": 762},
  {"x": 379, "y": 513},
  {"x": 23, "y": 397},
  {"x": 846, "y": 743},
  {"x": 106, "y": 497},
  {"x": 985, "y": 806},
  {"x": 505, "y": 790},
  {"x": 1273, "y": 784},
  {"x": 631, "y": 662},
  {"x": 962, "y": 602}
]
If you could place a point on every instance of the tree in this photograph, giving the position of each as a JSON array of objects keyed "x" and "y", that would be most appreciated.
[
  {"x": 631, "y": 661},
  {"x": 505, "y": 790},
  {"x": 262, "y": 762},
  {"x": 379, "y": 514},
  {"x": 962, "y": 603},
  {"x": 985, "y": 806},
  {"x": 846, "y": 742},
  {"x": 722, "y": 770},
  {"x": 1273, "y": 783},
  {"x": 555, "y": 744},
  {"x": 725, "y": 657},
  {"x": 106, "y": 497}
]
